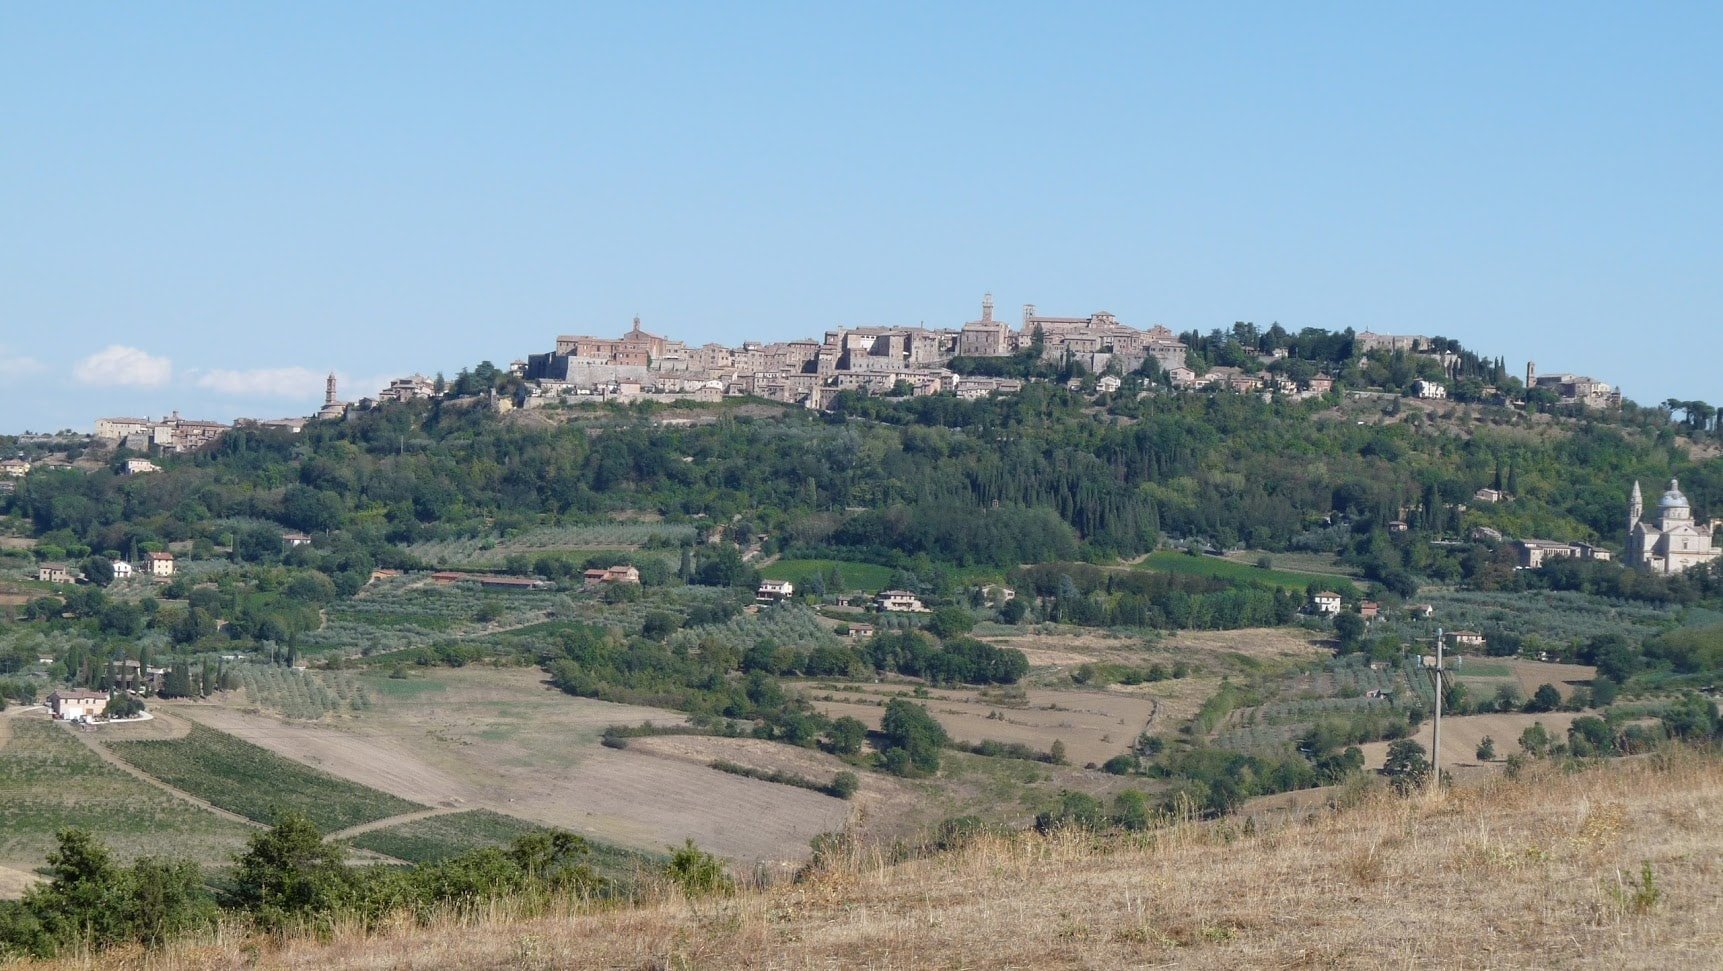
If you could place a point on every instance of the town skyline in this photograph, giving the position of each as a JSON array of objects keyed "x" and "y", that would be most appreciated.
[
  {"x": 296, "y": 392},
  {"x": 226, "y": 205}
]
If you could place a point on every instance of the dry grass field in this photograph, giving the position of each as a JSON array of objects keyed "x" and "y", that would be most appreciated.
[
  {"x": 1461, "y": 735},
  {"x": 1094, "y": 725},
  {"x": 1261, "y": 643},
  {"x": 500, "y": 739},
  {"x": 1549, "y": 871}
]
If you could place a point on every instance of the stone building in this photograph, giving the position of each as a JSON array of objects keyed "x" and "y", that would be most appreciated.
[{"x": 1675, "y": 542}]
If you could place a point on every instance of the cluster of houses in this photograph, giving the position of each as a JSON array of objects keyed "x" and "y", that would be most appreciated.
[
  {"x": 886, "y": 601},
  {"x": 877, "y": 360},
  {"x": 170, "y": 434},
  {"x": 159, "y": 566}
]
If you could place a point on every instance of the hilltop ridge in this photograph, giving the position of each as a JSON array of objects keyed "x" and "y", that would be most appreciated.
[{"x": 1607, "y": 866}]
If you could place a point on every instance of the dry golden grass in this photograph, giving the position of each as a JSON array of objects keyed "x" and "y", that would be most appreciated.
[{"x": 1543, "y": 872}]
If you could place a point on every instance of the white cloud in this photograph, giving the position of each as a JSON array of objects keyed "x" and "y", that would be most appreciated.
[
  {"x": 119, "y": 366},
  {"x": 14, "y": 365},
  {"x": 298, "y": 383},
  {"x": 268, "y": 382}
]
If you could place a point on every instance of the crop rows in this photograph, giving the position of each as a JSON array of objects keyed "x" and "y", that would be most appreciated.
[
  {"x": 477, "y": 550},
  {"x": 787, "y": 625},
  {"x": 306, "y": 695},
  {"x": 437, "y": 838},
  {"x": 1257, "y": 738},
  {"x": 1558, "y": 617},
  {"x": 256, "y": 783},
  {"x": 51, "y": 781}
]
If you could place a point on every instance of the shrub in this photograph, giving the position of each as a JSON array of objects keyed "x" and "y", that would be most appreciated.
[{"x": 698, "y": 873}]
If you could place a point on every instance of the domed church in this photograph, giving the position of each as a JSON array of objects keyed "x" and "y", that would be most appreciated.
[{"x": 1676, "y": 542}]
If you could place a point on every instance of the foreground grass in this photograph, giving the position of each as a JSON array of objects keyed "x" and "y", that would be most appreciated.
[
  {"x": 1545, "y": 872},
  {"x": 256, "y": 783}
]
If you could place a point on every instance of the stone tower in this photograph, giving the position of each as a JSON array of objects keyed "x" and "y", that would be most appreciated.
[
  {"x": 1635, "y": 508},
  {"x": 329, "y": 390}
]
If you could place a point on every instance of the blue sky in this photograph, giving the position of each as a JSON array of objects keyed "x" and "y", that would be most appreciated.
[{"x": 205, "y": 207}]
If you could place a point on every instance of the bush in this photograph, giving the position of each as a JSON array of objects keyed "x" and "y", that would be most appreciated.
[
  {"x": 698, "y": 873},
  {"x": 911, "y": 739}
]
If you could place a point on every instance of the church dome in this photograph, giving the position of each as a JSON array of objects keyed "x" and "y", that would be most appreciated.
[{"x": 1673, "y": 499}]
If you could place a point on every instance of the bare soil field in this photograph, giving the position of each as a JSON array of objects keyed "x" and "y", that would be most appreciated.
[
  {"x": 500, "y": 739},
  {"x": 882, "y": 804},
  {"x": 1462, "y": 733},
  {"x": 1094, "y": 725}
]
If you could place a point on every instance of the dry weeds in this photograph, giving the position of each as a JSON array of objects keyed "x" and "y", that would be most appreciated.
[{"x": 1541, "y": 872}]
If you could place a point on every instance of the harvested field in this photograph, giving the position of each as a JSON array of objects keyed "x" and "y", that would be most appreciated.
[
  {"x": 881, "y": 800},
  {"x": 501, "y": 739},
  {"x": 1462, "y": 733},
  {"x": 1483, "y": 675},
  {"x": 1063, "y": 647},
  {"x": 1254, "y": 642},
  {"x": 1094, "y": 725}
]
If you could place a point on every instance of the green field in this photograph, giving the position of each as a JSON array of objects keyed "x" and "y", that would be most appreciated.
[
  {"x": 1172, "y": 561},
  {"x": 438, "y": 838},
  {"x": 49, "y": 780},
  {"x": 867, "y": 577},
  {"x": 256, "y": 783}
]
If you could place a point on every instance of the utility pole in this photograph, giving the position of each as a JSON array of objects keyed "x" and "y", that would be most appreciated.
[{"x": 1435, "y": 666}]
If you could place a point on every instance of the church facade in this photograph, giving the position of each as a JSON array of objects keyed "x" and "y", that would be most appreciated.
[{"x": 1674, "y": 542}]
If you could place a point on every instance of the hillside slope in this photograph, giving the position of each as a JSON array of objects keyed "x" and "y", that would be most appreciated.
[{"x": 1542, "y": 872}]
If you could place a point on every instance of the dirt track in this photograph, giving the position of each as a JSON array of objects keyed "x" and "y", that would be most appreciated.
[{"x": 94, "y": 744}]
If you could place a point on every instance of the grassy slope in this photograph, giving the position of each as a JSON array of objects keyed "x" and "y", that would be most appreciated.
[
  {"x": 441, "y": 837},
  {"x": 255, "y": 782},
  {"x": 867, "y": 577},
  {"x": 1537, "y": 873},
  {"x": 1169, "y": 561}
]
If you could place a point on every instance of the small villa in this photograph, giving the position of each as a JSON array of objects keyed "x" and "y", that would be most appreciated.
[
  {"x": 54, "y": 573},
  {"x": 1326, "y": 602},
  {"x": 774, "y": 591},
  {"x": 71, "y": 704},
  {"x": 615, "y": 574},
  {"x": 899, "y": 601}
]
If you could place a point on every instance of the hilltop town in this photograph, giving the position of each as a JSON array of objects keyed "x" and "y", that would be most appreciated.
[{"x": 987, "y": 356}]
